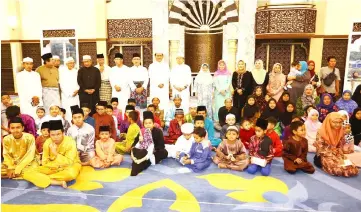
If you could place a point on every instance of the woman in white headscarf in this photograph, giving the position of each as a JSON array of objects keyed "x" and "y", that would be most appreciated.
[
  {"x": 203, "y": 86},
  {"x": 260, "y": 76},
  {"x": 276, "y": 81}
]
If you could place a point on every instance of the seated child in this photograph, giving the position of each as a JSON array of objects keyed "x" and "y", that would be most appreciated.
[
  {"x": 103, "y": 119},
  {"x": 109, "y": 111},
  {"x": 260, "y": 150},
  {"x": 54, "y": 114},
  {"x": 294, "y": 72},
  {"x": 40, "y": 113},
  {"x": 40, "y": 140},
  {"x": 199, "y": 157},
  {"x": 170, "y": 114},
  {"x": 148, "y": 147},
  {"x": 184, "y": 142},
  {"x": 159, "y": 112},
  {"x": 174, "y": 130},
  {"x": 349, "y": 145},
  {"x": 199, "y": 122},
  {"x": 88, "y": 119},
  {"x": 312, "y": 125},
  {"x": 251, "y": 108},
  {"x": 208, "y": 125},
  {"x": 246, "y": 132},
  {"x": 105, "y": 150},
  {"x": 133, "y": 131},
  {"x": 116, "y": 111},
  {"x": 231, "y": 121},
  {"x": 125, "y": 123},
  {"x": 35, "y": 103},
  {"x": 276, "y": 141},
  {"x": 231, "y": 153},
  {"x": 151, "y": 108},
  {"x": 83, "y": 134},
  {"x": 62, "y": 113},
  {"x": 189, "y": 118},
  {"x": 295, "y": 150}
]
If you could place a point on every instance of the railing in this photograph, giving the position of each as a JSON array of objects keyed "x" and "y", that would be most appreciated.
[{"x": 286, "y": 18}]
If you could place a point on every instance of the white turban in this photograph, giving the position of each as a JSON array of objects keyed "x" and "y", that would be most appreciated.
[
  {"x": 56, "y": 57},
  {"x": 27, "y": 60},
  {"x": 87, "y": 57},
  {"x": 180, "y": 54},
  {"x": 69, "y": 59},
  {"x": 230, "y": 116},
  {"x": 187, "y": 128}
]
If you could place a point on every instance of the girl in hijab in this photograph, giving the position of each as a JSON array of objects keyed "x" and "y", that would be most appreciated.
[
  {"x": 250, "y": 109},
  {"x": 276, "y": 82},
  {"x": 222, "y": 82},
  {"x": 260, "y": 98},
  {"x": 286, "y": 117},
  {"x": 315, "y": 80},
  {"x": 346, "y": 103},
  {"x": 242, "y": 84},
  {"x": 312, "y": 126},
  {"x": 357, "y": 95},
  {"x": 355, "y": 122},
  {"x": 260, "y": 76},
  {"x": 329, "y": 145},
  {"x": 326, "y": 106},
  {"x": 306, "y": 99},
  {"x": 283, "y": 101},
  {"x": 203, "y": 86},
  {"x": 271, "y": 110}
]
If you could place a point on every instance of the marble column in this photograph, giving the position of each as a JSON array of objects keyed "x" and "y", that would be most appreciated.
[
  {"x": 160, "y": 28},
  {"x": 246, "y": 35},
  {"x": 232, "y": 53},
  {"x": 174, "y": 50}
]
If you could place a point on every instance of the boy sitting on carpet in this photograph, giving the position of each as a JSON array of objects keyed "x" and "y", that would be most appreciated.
[
  {"x": 231, "y": 121},
  {"x": 295, "y": 150},
  {"x": 40, "y": 140},
  {"x": 174, "y": 131},
  {"x": 276, "y": 141},
  {"x": 109, "y": 111},
  {"x": 87, "y": 119},
  {"x": 116, "y": 111},
  {"x": 133, "y": 131},
  {"x": 67, "y": 125},
  {"x": 199, "y": 157},
  {"x": 246, "y": 132},
  {"x": 184, "y": 142},
  {"x": 103, "y": 119},
  {"x": 260, "y": 150},
  {"x": 208, "y": 125}
]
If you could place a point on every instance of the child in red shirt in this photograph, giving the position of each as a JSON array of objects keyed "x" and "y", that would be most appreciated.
[
  {"x": 277, "y": 144},
  {"x": 246, "y": 132},
  {"x": 40, "y": 140}
]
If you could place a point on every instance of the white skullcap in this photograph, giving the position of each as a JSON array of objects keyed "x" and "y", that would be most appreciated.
[
  {"x": 87, "y": 57},
  {"x": 232, "y": 128},
  {"x": 56, "y": 57},
  {"x": 193, "y": 104},
  {"x": 69, "y": 59},
  {"x": 230, "y": 116},
  {"x": 180, "y": 54},
  {"x": 27, "y": 60},
  {"x": 187, "y": 128}
]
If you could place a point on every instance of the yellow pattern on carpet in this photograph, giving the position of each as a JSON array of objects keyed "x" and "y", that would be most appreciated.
[
  {"x": 48, "y": 208},
  {"x": 87, "y": 176},
  {"x": 249, "y": 190},
  {"x": 185, "y": 201}
]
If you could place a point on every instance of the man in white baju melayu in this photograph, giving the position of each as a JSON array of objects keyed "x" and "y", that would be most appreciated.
[
  {"x": 159, "y": 81},
  {"x": 29, "y": 87},
  {"x": 180, "y": 80},
  {"x": 119, "y": 80},
  {"x": 68, "y": 76},
  {"x": 138, "y": 83}
]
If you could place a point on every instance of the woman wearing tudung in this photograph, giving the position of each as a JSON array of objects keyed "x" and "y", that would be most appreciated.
[
  {"x": 242, "y": 85},
  {"x": 260, "y": 76},
  {"x": 222, "y": 82},
  {"x": 203, "y": 86},
  {"x": 276, "y": 82}
]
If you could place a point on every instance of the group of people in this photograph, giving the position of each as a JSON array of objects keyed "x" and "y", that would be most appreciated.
[{"x": 95, "y": 115}]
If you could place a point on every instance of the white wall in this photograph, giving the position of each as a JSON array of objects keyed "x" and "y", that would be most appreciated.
[
  {"x": 127, "y": 9},
  {"x": 37, "y": 15},
  {"x": 5, "y": 33}
]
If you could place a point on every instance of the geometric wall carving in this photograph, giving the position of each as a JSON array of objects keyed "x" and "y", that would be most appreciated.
[
  {"x": 7, "y": 78},
  {"x": 356, "y": 27},
  {"x": 33, "y": 51},
  {"x": 88, "y": 48},
  {"x": 59, "y": 33},
  {"x": 129, "y": 28}
]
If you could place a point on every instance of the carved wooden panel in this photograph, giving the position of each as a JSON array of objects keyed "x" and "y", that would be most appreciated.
[
  {"x": 300, "y": 53},
  {"x": 286, "y": 21},
  {"x": 88, "y": 48},
  {"x": 130, "y": 28},
  {"x": 261, "y": 52},
  {"x": 337, "y": 48},
  {"x": 357, "y": 27},
  {"x": 280, "y": 53},
  {"x": 32, "y": 50},
  {"x": 7, "y": 78},
  {"x": 59, "y": 33}
]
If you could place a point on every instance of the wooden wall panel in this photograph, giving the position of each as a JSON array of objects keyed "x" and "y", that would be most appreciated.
[
  {"x": 7, "y": 78},
  {"x": 32, "y": 50},
  {"x": 88, "y": 48}
]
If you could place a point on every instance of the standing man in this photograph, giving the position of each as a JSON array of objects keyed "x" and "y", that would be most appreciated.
[
  {"x": 50, "y": 81},
  {"x": 180, "y": 80},
  {"x": 119, "y": 80},
  {"x": 159, "y": 81},
  {"x": 56, "y": 59},
  {"x": 89, "y": 80},
  {"x": 334, "y": 88},
  {"x": 68, "y": 79},
  {"x": 28, "y": 83},
  {"x": 105, "y": 91},
  {"x": 138, "y": 82}
]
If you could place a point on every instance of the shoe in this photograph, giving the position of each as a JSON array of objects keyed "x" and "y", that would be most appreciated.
[{"x": 289, "y": 86}]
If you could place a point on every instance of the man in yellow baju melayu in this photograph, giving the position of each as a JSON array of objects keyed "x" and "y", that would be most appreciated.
[
  {"x": 19, "y": 155},
  {"x": 60, "y": 162}
]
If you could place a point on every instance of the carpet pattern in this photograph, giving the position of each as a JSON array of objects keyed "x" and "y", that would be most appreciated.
[{"x": 163, "y": 188}]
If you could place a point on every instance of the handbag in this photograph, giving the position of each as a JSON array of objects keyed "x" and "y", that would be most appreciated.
[{"x": 329, "y": 79}]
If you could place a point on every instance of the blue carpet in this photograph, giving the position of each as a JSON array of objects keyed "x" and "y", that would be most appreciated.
[{"x": 162, "y": 188}]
